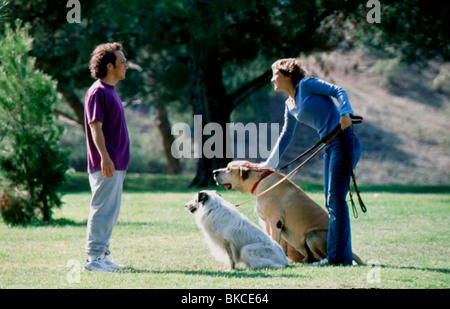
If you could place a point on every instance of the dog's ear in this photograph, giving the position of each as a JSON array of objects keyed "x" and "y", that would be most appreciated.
[
  {"x": 202, "y": 197},
  {"x": 243, "y": 172}
]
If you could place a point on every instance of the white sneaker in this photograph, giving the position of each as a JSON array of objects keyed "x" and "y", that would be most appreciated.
[
  {"x": 324, "y": 262},
  {"x": 327, "y": 262},
  {"x": 113, "y": 265},
  {"x": 100, "y": 263}
]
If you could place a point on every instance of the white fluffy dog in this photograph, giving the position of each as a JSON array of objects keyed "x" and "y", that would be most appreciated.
[{"x": 231, "y": 236}]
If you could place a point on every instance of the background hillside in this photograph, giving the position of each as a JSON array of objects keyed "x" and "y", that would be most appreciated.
[{"x": 405, "y": 134}]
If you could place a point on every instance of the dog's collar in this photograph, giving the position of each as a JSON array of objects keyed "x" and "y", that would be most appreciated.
[{"x": 263, "y": 175}]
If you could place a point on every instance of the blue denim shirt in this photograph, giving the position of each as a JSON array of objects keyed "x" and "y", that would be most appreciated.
[{"x": 314, "y": 107}]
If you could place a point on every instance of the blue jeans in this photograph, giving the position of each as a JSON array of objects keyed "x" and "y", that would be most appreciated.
[{"x": 342, "y": 150}]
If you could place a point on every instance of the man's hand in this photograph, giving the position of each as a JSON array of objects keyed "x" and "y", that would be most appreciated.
[
  {"x": 106, "y": 163},
  {"x": 108, "y": 167}
]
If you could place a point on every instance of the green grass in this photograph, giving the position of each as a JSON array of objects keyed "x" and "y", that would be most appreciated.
[{"x": 405, "y": 233}]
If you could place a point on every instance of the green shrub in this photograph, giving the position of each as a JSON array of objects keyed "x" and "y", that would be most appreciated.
[{"x": 32, "y": 167}]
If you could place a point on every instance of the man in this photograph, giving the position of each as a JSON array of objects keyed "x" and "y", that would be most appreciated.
[{"x": 108, "y": 152}]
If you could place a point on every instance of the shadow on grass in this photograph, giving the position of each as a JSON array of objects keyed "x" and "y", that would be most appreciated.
[
  {"x": 61, "y": 222},
  {"x": 439, "y": 270},
  {"x": 79, "y": 182},
  {"x": 262, "y": 273},
  {"x": 237, "y": 273}
]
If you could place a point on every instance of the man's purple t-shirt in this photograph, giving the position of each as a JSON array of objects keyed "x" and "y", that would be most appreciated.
[{"x": 102, "y": 103}]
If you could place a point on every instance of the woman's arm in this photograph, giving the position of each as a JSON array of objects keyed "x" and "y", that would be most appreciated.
[
  {"x": 285, "y": 138},
  {"x": 318, "y": 86}
]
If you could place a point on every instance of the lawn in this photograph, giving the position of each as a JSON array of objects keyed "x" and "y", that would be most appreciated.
[{"x": 404, "y": 238}]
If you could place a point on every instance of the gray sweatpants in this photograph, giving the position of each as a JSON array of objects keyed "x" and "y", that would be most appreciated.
[{"x": 104, "y": 211}]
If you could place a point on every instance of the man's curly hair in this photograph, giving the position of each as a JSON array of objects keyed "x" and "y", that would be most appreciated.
[{"x": 101, "y": 56}]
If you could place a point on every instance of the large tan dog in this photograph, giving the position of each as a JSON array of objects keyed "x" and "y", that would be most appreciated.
[{"x": 289, "y": 214}]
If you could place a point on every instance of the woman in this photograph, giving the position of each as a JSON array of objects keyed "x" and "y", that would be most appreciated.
[{"x": 310, "y": 102}]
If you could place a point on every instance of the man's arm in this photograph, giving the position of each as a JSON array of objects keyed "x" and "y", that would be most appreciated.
[{"x": 107, "y": 164}]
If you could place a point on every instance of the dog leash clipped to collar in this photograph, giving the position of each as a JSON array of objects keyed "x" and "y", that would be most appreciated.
[
  {"x": 332, "y": 135},
  {"x": 263, "y": 175},
  {"x": 325, "y": 140}
]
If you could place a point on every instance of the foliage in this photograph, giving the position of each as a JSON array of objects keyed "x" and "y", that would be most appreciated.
[
  {"x": 3, "y": 4},
  {"x": 415, "y": 30},
  {"x": 32, "y": 165},
  {"x": 214, "y": 55}
]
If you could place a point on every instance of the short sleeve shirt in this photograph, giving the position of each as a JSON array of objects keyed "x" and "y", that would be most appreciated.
[{"x": 103, "y": 104}]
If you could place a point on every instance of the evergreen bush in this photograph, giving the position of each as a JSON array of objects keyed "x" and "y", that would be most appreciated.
[{"x": 32, "y": 166}]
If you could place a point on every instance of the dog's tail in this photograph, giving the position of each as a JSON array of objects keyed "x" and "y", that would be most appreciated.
[{"x": 357, "y": 259}]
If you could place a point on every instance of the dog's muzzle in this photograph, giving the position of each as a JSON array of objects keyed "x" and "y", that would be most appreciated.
[
  {"x": 191, "y": 207},
  {"x": 216, "y": 175}
]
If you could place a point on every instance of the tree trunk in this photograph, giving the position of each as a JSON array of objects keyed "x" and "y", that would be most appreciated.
[
  {"x": 46, "y": 212},
  {"x": 76, "y": 105},
  {"x": 173, "y": 164},
  {"x": 209, "y": 99}
]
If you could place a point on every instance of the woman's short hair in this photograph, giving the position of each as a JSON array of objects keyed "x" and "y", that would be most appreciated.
[
  {"x": 290, "y": 67},
  {"x": 101, "y": 56}
]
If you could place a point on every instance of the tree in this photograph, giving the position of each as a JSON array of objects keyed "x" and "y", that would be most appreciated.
[
  {"x": 245, "y": 32},
  {"x": 414, "y": 30},
  {"x": 208, "y": 38},
  {"x": 32, "y": 167},
  {"x": 242, "y": 33},
  {"x": 63, "y": 50}
]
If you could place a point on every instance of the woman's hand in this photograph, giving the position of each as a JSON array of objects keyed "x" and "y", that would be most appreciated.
[
  {"x": 257, "y": 166},
  {"x": 345, "y": 122}
]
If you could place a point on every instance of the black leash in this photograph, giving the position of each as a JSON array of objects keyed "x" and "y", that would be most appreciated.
[
  {"x": 325, "y": 141},
  {"x": 361, "y": 203},
  {"x": 301, "y": 165}
]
